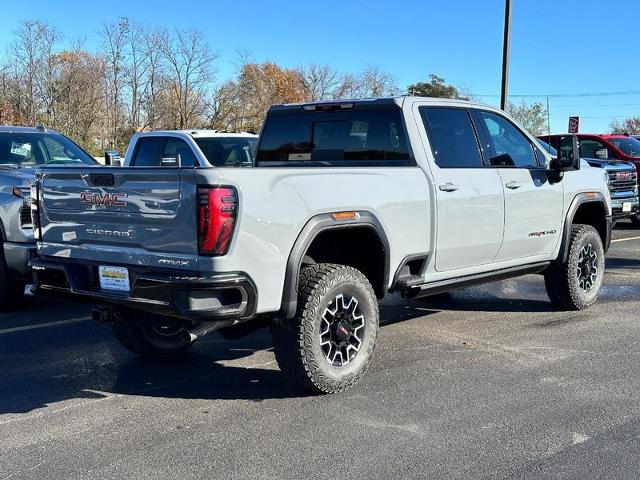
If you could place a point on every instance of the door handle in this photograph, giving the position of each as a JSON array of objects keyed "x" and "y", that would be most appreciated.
[
  {"x": 512, "y": 185},
  {"x": 448, "y": 187}
]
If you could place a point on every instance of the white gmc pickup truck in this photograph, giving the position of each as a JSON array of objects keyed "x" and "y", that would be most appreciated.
[{"x": 347, "y": 202}]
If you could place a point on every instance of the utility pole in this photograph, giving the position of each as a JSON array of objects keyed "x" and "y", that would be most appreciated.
[
  {"x": 548, "y": 118},
  {"x": 505, "y": 55}
]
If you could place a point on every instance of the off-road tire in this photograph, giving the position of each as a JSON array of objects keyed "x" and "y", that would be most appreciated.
[
  {"x": 297, "y": 342},
  {"x": 562, "y": 280},
  {"x": 147, "y": 342}
]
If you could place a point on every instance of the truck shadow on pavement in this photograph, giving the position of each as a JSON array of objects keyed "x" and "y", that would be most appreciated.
[
  {"x": 214, "y": 370},
  {"x": 81, "y": 361},
  {"x": 483, "y": 301}
]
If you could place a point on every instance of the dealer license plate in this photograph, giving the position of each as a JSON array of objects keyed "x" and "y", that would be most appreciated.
[{"x": 114, "y": 278}]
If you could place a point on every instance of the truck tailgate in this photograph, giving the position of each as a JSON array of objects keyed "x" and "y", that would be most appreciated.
[{"x": 122, "y": 216}]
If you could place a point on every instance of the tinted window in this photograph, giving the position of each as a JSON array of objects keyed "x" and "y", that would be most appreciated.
[
  {"x": 151, "y": 150},
  {"x": 588, "y": 148},
  {"x": 176, "y": 147},
  {"x": 357, "y": 137},
  {"x": 40, "y": 149},
  {"x": 228, "y": 151},
  {"x": 453, "y": 140},
  {"x": 508, "y": 146},
  {"x": 630, "y": 146}
]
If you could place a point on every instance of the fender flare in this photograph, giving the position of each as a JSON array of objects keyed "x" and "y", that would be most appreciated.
[
  {"x": 316, "y": 225},
  {"x": 579, "y": 200}
]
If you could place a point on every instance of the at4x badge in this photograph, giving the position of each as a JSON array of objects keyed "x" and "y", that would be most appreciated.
[{"x": 543, "y": 233}]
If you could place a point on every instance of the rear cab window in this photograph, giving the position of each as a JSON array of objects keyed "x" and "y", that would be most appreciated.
[
  {"x": 228, "y": 151},
  {"x": 363, "y": 135},
  {"x": 150, "y": 152}
]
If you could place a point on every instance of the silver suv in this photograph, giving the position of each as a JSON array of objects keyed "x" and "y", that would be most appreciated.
[{"x": 22, "y": 151}]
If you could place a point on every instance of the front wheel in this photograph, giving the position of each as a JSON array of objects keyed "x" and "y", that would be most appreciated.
[
  {"x": 575, "y": 285},
  {"x": 328, "y": 346}
]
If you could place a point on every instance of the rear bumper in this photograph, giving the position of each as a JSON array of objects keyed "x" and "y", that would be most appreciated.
[
  {"x": 229, "y": 296},
  {"x": 17, "y": 256}
]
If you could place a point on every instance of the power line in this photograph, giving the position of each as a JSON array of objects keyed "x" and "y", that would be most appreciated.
[
  {"x": 588, "y": 105},
  {"x": 567, "y": 95}
]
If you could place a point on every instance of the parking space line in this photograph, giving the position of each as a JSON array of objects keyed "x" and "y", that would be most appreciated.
[
  {"x": 625, "y": 239},
  {"x": 44, "y": 325}
]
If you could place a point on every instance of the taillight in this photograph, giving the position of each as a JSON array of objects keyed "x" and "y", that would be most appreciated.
[{"x": 217, "y": 209}]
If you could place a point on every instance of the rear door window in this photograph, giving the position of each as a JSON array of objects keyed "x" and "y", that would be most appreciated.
[
  {"x": 357, "y": 137},
  {"x": 453, "y": 140}
]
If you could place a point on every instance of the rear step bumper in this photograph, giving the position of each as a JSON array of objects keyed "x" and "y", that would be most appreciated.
[{"x": 229, "y": 296}]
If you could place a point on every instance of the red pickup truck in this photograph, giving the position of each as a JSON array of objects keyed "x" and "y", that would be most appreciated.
[{"x": 606, "y": 147}]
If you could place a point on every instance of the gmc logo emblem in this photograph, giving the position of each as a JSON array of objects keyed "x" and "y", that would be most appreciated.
[
  {"x": 624, "y": 176},
  {"x": 105, "y": 199}
]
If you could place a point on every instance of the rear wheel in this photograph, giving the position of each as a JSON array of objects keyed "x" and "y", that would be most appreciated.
[
  {"x": 151, "y": 341},
  {"x": 635, "y": 219},
  {"x": 575, "y": 285},
  {"x": 328, "y": 346}
]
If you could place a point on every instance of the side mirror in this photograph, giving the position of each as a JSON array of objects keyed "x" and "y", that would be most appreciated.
[
  {"x": 174, "y": 161},
  {"x": 568, "y": 155},
  {"x": 112, "y": 158},
  {"x": 602, "y": 154}
]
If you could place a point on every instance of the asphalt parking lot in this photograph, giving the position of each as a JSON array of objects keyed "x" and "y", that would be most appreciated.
[{"x": 487, "y": 382}]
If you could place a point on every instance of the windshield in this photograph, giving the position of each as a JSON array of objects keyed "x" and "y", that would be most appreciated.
[
  {"x": 228, "y": 151},
  {"x": 32, "y": 149},
  {"x": 630, "y": 146},
  {"x": 547, "y": 148}
]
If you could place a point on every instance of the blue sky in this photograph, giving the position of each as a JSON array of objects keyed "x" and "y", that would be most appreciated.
[{"x": 558, "y": 46}]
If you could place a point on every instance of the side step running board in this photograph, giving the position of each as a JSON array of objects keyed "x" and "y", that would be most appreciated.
[{"x": 434, "y": 288}]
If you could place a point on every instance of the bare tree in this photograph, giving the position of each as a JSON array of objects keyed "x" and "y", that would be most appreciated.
[
  {"x": 370, "y": 82},
  {"x": 190, "y": 72},
  {"x": 114, "y": 37},
  {"x": 31, "y": 56},
  {"x": 319, "y": 81},
  {"x": 154, "y": 72},
  {"x": 135, "y": 72},
  {"x": 375, "y": 82}
]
